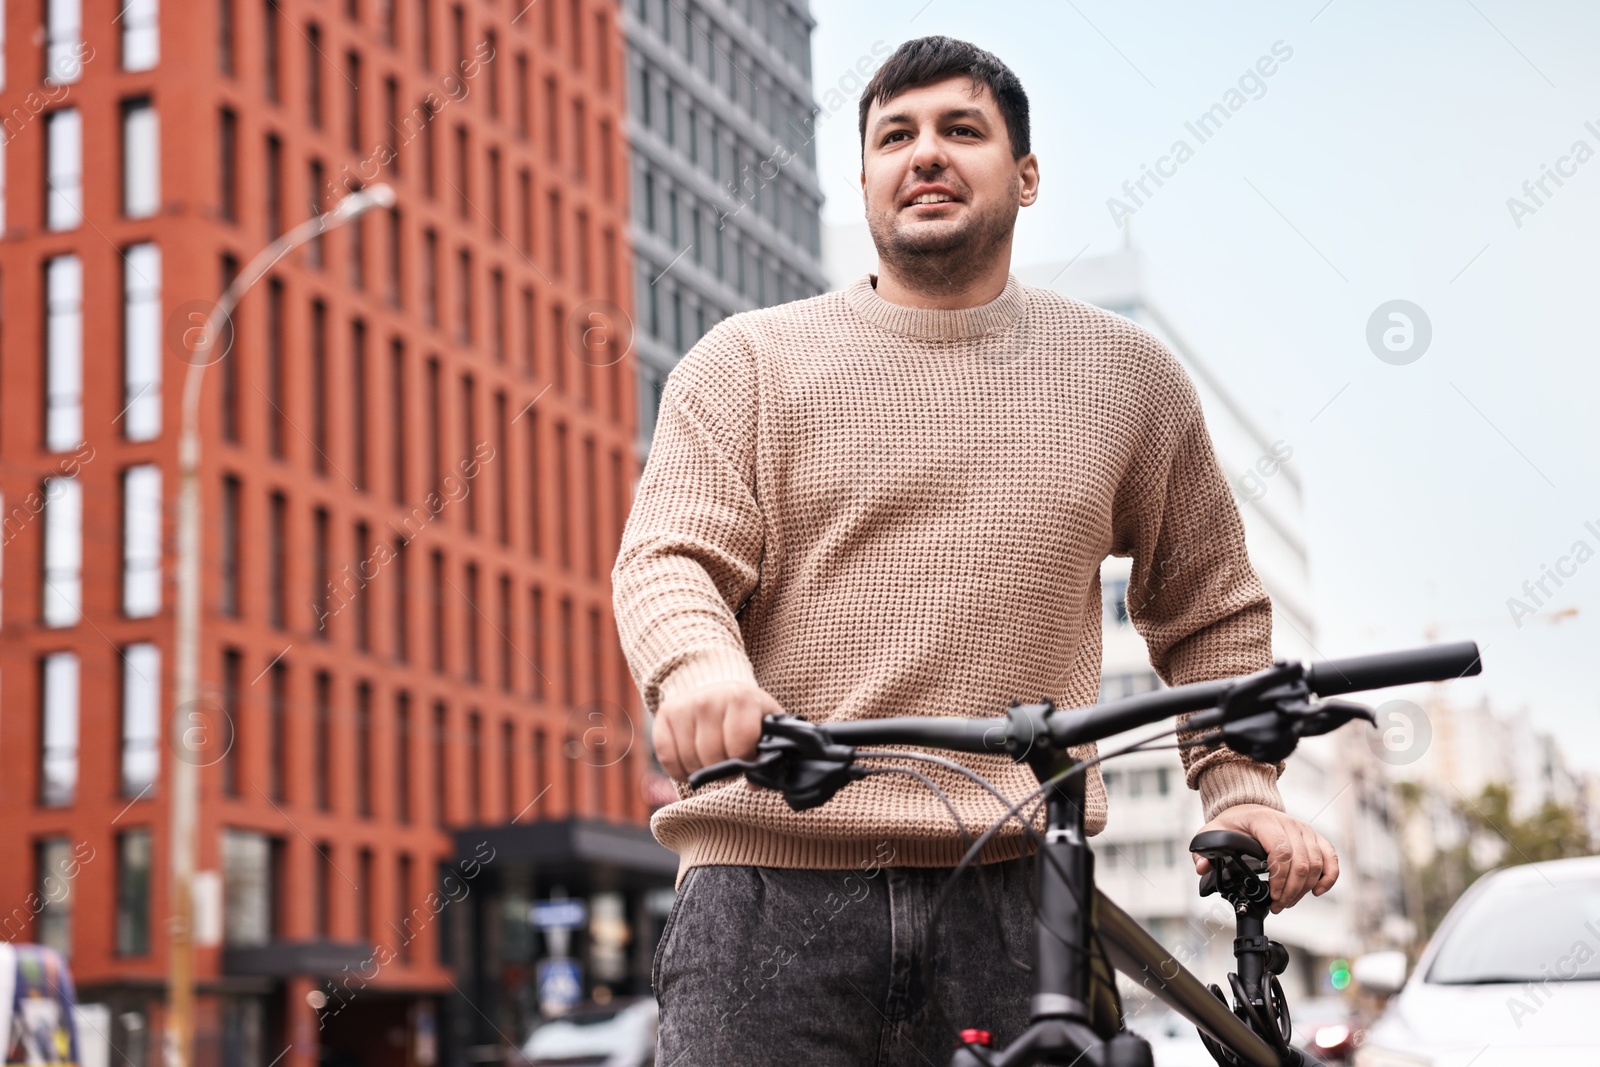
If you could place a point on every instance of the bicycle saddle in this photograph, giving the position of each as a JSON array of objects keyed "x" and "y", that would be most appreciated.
[{"x": 1234, "y": 857}]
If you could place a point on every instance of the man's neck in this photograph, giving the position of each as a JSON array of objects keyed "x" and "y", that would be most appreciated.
[{"x": 915, "y": 293}]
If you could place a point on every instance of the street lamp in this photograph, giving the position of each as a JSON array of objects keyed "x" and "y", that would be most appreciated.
[{"x": 185, "y": 771}]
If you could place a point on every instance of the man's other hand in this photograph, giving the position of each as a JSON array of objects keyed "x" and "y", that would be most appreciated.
[
  {"x": 1298, "y": 858},
  {"x": 710, "y": 724}
]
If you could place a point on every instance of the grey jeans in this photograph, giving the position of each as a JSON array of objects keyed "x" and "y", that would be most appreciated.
[{"x": 762, "y": 966}]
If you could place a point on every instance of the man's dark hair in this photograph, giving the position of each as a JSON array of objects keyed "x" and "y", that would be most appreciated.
[{"x": 930, "y": 59}]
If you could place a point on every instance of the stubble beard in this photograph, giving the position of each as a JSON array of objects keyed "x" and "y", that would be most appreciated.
[{"x": 944, "y": 258}]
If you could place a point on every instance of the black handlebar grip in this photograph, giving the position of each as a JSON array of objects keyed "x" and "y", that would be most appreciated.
[{"x": 1431, "y": 663}]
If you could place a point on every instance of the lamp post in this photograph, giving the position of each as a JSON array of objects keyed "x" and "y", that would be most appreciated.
[{"x": 185, "y": 780}]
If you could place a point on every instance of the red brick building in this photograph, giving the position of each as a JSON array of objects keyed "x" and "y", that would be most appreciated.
[{"x": 414, "y": 479}]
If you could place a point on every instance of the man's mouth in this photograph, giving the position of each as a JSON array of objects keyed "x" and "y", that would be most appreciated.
[{"x": 932, "y": 201}]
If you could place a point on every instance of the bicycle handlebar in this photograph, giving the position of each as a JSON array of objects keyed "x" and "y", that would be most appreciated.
[
  {"x": 1432, "y": 663},
  {"x": 1216, "y": 703}
]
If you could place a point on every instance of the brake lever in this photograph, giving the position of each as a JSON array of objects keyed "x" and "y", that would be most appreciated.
[
  {"x": 796, "y": 758},
  {"x": 730, "y": 767},
  {"x": 1270, "y": 735}
]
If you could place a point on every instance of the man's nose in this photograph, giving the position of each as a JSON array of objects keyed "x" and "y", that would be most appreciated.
[{"x": 928, "y": 154}]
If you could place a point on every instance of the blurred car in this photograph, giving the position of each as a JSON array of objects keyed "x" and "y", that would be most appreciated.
[
  {"x": 1326, "y": 1026},
  {"x": 621, "y": 1034},
  {"x": 1511, "y": 978}
]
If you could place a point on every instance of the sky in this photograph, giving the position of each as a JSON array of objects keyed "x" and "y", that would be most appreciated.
[{"x": 1378, "y": 162}]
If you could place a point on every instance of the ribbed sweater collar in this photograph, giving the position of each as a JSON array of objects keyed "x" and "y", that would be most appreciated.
[{"x": 935, "y": 324}]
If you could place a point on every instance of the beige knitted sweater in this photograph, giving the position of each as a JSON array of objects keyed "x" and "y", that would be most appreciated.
[{"x": 872, "y": 510}]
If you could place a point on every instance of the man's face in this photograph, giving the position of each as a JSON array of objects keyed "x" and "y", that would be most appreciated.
[{"x": 942, "y": 142}]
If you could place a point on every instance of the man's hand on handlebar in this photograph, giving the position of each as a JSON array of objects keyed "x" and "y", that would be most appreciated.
[
  {"x": 710, "y": 724},
  {"x": 1298, "y": 858}
]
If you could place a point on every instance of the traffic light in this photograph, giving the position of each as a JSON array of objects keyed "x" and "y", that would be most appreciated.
[{"x": 1339, "y": 973}]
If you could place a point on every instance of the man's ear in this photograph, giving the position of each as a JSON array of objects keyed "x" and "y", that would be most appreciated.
[{"x": 1029, "y": 170}]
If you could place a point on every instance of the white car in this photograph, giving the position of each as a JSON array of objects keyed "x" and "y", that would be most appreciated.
[
  {"x": 622, "y": 1034},
  {"x": 1511, "y": 979}
]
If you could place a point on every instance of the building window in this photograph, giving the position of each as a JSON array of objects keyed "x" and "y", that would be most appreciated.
[
  {"x": 133, "y": 893},
  {"x": 314, "y": 63},
  {"x": 506, "y": 646},
  {"x": 529, "y": 329},
  {"x": 319, "y": 385},
  {"x": 278, "y": 731},
  {"x": 61, "y": 598},
  {"x": 141, "y": 160},
  {"x": 233, "y": 711},
  {"x": 436, "y": 602},
  {"x": 141, "y": 342},
  {"x": 321, "y": 572},
  {"x": 63, "y": 353},
  {"x": 63, "y": 169},
  {"x": 473, "y": 644},
  {"x": 522, "y": 90},
  {"x": 464, "y": 295},
  {"x": 225, "y": 36},
  {"x": 321, "y": 888},
  {"x": 364, "y": 750},
  {"x": 229, "y": 593},
  {"x": 63, "y": 41},
  {"x": 228, "y": 165},
  {"x": 463, "y": 199},
  {"x": 277, "y": 559},
  {"x": 316, "y": 249},
  {"x": 352, "y": 74},
  {"x": 398, "y": 435},
  {"x": 140, "y": 35},
  {"x": 563, "y": 511},
  {"x": 591, "y": 509},
  {"x": 247, "y": 884},
  {"x": 274, "y": 368},
  {"x": 508, "y": 771},
  {"x": 441, "y": 791},
  {"x": 402, "y": 756},
  {"x": 228, "y": 387},
  {"x": 395, "y": 245},
  {"x": 358, "y": 402},
  {"x": 535, "y": 541},
  {"x": 502, "y": 479},
  {"x": 141, "y": 540},
  {"x": 430, "y": 275},
  {"x": 536, "y": 644},
  {"x": 569, "y": 695},
  {"x": 58, "y": 755},
  {"x": 364, "y": 910},
  {"x": 357, "y": 591},
  {"x": 475, "y": 765},
  {"x": 402, "y": 602},
  {"x": 554, "y": 202},
  {"x": 273, "y": 178},
  {"x": 357, "y": 230},
  {"x": 496, "y": 206},
  {"x": 141, "y": 718},
  {"x": 56, "y": 868},
  {"x": 322, "y": 712},
  {"x": 269, "y": 49}
]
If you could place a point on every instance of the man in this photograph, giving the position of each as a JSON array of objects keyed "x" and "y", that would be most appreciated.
[{"x": 895, "y": 500}]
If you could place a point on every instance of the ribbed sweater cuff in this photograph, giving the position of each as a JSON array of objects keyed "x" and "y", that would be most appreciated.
[
  {"x": 1223, "y": 785},
  {"x": 706, "y": 666}
]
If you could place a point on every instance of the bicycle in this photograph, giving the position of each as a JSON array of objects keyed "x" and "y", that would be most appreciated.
[{"x": 1261, "y": 715}]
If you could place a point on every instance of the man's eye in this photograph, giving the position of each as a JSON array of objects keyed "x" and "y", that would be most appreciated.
[{"x": 892, "y": 136}]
